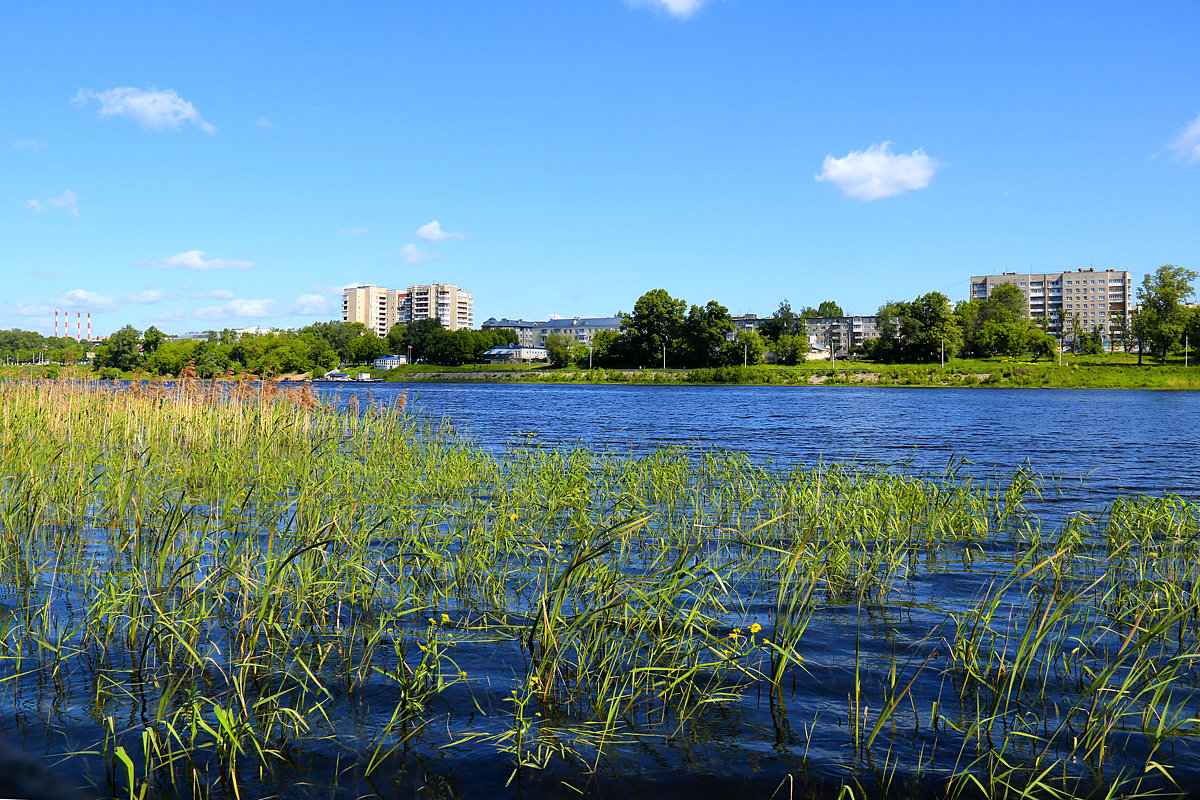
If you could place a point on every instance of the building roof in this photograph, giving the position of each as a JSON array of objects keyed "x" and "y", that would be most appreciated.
[
  {"x": 581, "y": 322},
  {"x": 492, "y": 322}
]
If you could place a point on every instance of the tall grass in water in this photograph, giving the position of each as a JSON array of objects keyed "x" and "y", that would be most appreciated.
[{"x": 212, "y": 589}]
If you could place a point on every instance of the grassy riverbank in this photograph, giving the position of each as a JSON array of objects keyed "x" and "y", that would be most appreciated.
[
  {"x": 1108, "y": 371},
  {"x": 232, "y": 590}
]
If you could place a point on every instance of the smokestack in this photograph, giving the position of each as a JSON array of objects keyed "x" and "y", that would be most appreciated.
[
  {"x": 55, "y": 324},
  {"x": 89, "y": 326},
  {"x": 78, "y": 332}
]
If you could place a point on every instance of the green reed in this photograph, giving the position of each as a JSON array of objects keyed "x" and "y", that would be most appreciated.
[{"x": 224, "y": 577}]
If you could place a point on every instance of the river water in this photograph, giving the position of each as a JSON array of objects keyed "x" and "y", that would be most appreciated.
[{"x": 1104, "y": 442}]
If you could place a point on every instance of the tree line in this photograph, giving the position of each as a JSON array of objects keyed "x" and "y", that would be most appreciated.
[
  {"x": 661, "y": 330},
  {"x": 928, "y": 327},
  {"x": 26, "y": 347},
  {"x": 665, "y": 331},
  {"x": 315, "y": 349}
]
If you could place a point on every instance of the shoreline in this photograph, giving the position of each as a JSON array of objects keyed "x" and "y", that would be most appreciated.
[{"x": 1014, "y": 375}]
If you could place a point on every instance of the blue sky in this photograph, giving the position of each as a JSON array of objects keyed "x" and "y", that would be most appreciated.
[{"x": 232, "y": 164}]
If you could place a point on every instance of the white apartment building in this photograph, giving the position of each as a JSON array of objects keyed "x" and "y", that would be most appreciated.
[
  {"x": 533, "y": 334},
  {"x": 580, "y": 329},
  {"x": 1098, "y": 298},
  {"x": 841, "y": 334},
  {"x": 526, "y": 331},
  {"x": 380, "y": 308}
]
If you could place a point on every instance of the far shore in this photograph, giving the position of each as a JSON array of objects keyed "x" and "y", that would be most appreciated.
[{"x": 1107, "y": 371}]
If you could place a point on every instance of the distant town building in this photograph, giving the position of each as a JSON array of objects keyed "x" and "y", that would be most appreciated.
[
  {"x": 746, "y": 322},
  {"x": 380, "y": 308},
  {"x": 526, "y": 331},
  {"x": 581, "y": 329},
  {"x": 390, "y": 362},
  {"x": 1098, "y": 298},
  {"x": 515, "y": 355},
  {"x": 841, "y": 335},
  {"x": 534, "y": 334}
]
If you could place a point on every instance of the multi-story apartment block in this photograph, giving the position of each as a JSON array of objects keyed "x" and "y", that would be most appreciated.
[
  {"x": 841, "y": 334},
  {"x": 1098, "y": 298},
  {"x": 380, "y": 308},
  {"x": 745, "y": 322},
  {"x": 453, "y": 306},
  {"x": 374, "y": 306},
  {"x": 526, "y": 331},
  {"x": 581, "y": 329}
]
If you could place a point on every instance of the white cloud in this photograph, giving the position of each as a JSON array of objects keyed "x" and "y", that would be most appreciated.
[
  {"x": 155, "y": 110},
  {"x": 676, "y": 8},
  {"x": 195, "y": 260},
  {"x": 29, "y": 144},
  {"x": 432, "y": 232},
  {"x": 213, "y": 294},
  {"x": 83, "y": 300},
  {"x": 310, "y": 304},
  {"x": 240, "y": 308},
  {"x": 67, "y": 201},
  {"x": 875, "y": 172},
  {"x": 148, "y": 297},
  {"x": 352, "y": 231},
  {"x": 1187, "y": 145},
  {"x": 74, "y": 300},
  {"x": 415, "y": 255},
  {"x": 262, "y": 122},
  {"x": 28, "y": 308}
]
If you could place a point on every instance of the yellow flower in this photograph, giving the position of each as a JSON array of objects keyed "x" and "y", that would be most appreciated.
[
  {"x": 513, "y": 517},
  {"x": 445, "y": 619},
  {"x": 755, "y": 628}
]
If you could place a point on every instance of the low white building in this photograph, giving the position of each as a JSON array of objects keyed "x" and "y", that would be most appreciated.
[
  {"x": 390, "y": 362},
  {"x": 515, "y": 355}
]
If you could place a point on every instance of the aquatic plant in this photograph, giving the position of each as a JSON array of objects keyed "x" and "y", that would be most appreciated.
[{"x": 220, "y": 588}]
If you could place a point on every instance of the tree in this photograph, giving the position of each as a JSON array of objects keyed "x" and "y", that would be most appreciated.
[
  {"x": 746, "y": 347},
  {"x": 367, "y": 348},
  {"x": 917, "y": 331},
  {"x": 558, "y": 347},
  {"x": 608, "y": 348},
  {"x": 1192, "y": 329},
  {"x": 781, "y": 323},
  {"x": 151, "y": 340},
  {"x": 1090, "y": 343},
  {"x": 212, "y": 358},
  {"x": 1042, "y": 345},
  {"x": 338, "y": 334},
  {"x": 704, "y": 331},
  {"x": 997, "y": 326},
  {"x": 1162, "y": 296},
  {"x": 121, "y": 350},
  {"x": 417, "y": 335},
  {"x": 828, "y": 308},
  {"x": 654, "y": 327},
  {"x": 791, "y": 349}
]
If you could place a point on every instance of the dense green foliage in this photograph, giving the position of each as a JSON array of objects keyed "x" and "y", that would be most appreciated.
[
  {"x": 1163, "y": 318},
  {"x": 25, "y": 347},
  {"x": 314, "y": 349}
]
